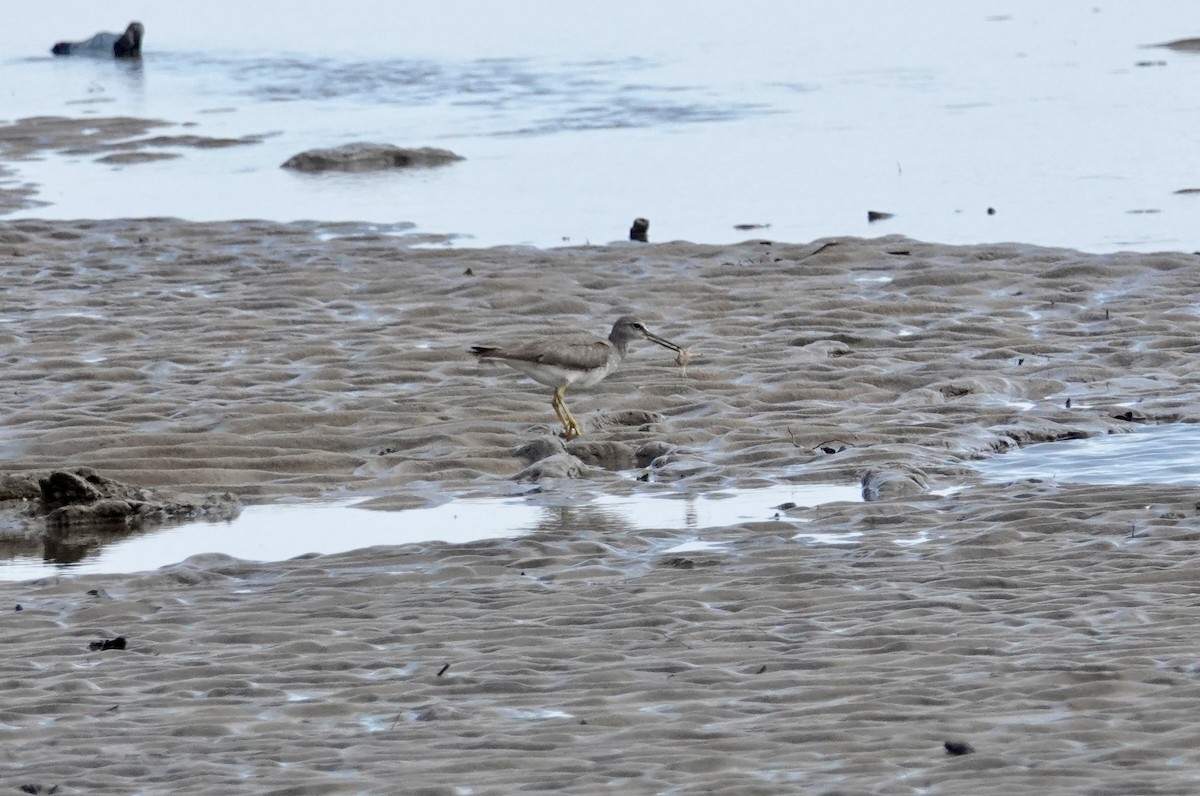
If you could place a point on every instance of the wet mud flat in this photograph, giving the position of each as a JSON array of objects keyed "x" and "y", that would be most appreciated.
[{"x": 1046, "y": 625}]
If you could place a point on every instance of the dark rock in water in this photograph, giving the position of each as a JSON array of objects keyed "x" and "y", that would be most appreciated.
[
  {"x": 640, "y": 229},
  {"x": 106, "y": 511},
  {"x": 117, "y": 643},
  {"x": 130, "y": 158},
  {"x": 877, "y": 215},
  {"x": 369, "y": 157},
  {"x": 107, "y": 45},
  {"x": 885, "y": 484},
  {"x": 72, "y": 498},
  {"x": 1181, "y": 45},
  {"x": 62, "y": 488},
  {"x": 958, "y": 748}
]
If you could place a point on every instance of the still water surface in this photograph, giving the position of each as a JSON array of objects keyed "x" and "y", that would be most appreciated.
[
  {"x": 1163, "y": 454},
  {"x": 278, "y": 532},
  {"x": 575, "y": 118}
]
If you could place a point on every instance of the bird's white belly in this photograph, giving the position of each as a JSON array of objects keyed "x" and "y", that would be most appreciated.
[{"x": 557, "y": 376}]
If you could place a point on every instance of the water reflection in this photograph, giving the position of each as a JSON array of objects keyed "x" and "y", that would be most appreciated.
[
  {"x": 104, "y": 79},
  {"x": 277, "y": 532},
  {"x": 1165, "y": 454},
  {"x": 534, "y": 97}
]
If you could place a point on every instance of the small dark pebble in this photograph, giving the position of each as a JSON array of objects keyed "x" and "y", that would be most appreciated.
[
  {"x": 442, "y": 670},
  {"x": 583, "y": 721},
  {"x": 1067, "y": 403},
  {"x": 640, "y": 229},
  {"x": 117, "y": 643},
  {"x": 762, "y": 669},
  {"x": 19, "y": 607},
  {"x": 958, "y": 748},
  {"x": 786, "y": 506},
  {"x": 877, "y": 215},
  {"x": 991, "y": 211},
  {"x": 468, "y": 272}
]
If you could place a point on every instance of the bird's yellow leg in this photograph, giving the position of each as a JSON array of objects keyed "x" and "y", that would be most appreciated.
[
  {"x": 571, "y": 427},
  {"x": 556, "y": 403}
]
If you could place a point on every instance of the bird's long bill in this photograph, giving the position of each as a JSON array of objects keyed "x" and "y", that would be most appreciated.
[{"x": 662, "y": 341}]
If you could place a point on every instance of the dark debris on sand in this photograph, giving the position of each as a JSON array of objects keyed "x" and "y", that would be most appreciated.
[{"x": 82, "y": 497}]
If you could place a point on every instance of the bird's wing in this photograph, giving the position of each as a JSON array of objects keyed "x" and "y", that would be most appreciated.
[{"x": 587, "y": 355}]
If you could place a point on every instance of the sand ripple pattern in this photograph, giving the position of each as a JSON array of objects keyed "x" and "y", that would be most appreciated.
[
  {"x": 1062, "y": 650},
  {"x": 289, "y": 359},
  {"x": 1050, "y": 626}
]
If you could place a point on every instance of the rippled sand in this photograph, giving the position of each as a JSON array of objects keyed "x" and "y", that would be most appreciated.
[{"x": 1048, "y": 626}]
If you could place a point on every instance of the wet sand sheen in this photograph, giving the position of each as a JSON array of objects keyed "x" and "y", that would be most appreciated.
[{"x": 1048, "y": 625}]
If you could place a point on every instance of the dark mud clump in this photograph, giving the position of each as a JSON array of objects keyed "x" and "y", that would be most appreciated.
[
  {"x": 369, "y": 157},
  {"x": 70, "y": 498}
]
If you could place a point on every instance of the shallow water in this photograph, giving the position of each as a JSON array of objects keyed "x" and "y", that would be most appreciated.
[
  {"x": 1164, "y": 454},
  {"x": 576, "y": 119},
  {"x": 278, "y": 532}
]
